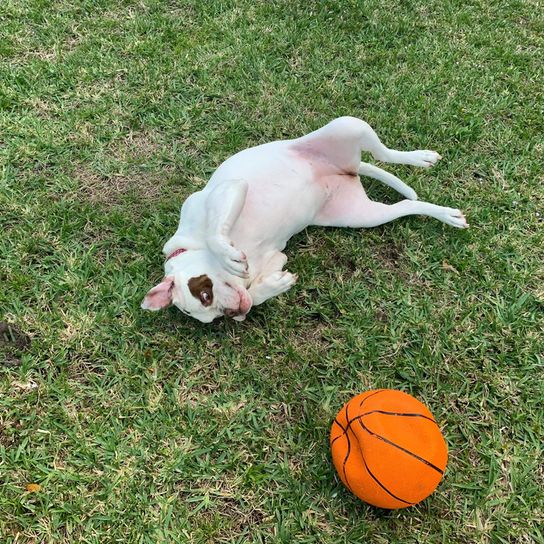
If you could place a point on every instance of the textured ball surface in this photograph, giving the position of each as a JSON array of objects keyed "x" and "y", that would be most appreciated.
[{"x": 388, "y": 449}]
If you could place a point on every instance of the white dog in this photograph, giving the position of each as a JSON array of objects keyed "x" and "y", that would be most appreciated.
[{"x": 226, "y": 255}]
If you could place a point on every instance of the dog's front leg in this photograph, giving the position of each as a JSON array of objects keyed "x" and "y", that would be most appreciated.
[{"x": 223, "y": 207}]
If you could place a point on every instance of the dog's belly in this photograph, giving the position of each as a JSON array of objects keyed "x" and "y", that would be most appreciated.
[{"x": 283, "y": 198}]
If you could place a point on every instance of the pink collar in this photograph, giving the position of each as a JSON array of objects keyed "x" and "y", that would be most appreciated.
[{"x": 176, "y": 253}]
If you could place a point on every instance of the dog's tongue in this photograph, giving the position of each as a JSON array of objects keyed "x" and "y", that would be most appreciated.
[
  {"x": 245, "y": 301},
  {"x": 244, "y": 304}
]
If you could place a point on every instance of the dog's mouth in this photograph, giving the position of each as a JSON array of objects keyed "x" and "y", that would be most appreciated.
[{"x": 244, "y": 304}]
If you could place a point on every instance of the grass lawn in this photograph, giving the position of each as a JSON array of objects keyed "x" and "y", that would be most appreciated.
[{"x": 150, "y": 428}]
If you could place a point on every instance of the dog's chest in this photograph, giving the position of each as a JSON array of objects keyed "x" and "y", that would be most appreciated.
[{"x": 283, "y": 196}]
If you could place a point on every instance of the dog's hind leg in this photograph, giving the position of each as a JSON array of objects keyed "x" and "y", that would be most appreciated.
[
  {"x": 371, "y": 143},
  {"x": 350, "y": 207},
  {"x": 388, "y": 179},
  {"x": 342, "y": 141}
]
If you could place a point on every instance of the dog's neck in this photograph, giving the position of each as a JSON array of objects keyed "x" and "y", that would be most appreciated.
[{"x": 178, "y": 241}]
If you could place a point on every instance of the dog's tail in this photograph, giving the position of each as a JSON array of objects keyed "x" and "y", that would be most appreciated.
[{"x": 392, "y": 181}]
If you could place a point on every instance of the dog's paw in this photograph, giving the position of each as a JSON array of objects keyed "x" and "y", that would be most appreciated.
[
  {"x": 453, "y": 217},
  {"x": 423, "y": 158},
  {"x": 233, "y": 260},
  {"x": 277, "y": 283}
]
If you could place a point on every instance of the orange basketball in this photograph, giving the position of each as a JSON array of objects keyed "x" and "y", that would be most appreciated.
[{"x": 388, "y": 449}]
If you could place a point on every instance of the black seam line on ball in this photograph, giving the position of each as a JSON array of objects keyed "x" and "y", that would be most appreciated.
[
  {"x": 362, "y": 457},
  {"x": 340, "y": 435},
  {"x": 349, "y": 422},
  {"x": 380, "y": 437},
  {"x": 347, "y": 453},
  {"x": 399, "y": 414},
  {"x": 340, "y": 425},
  {"x": 383, "y": 487},
  {"x": 369, "y": 396},
  {"x": 346, "y": 434}
]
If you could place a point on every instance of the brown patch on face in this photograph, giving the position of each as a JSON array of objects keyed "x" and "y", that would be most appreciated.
[{"x": 201, "y": 288}]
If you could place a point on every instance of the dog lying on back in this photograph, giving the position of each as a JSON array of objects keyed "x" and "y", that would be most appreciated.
[{"x": 226, "y": 255}]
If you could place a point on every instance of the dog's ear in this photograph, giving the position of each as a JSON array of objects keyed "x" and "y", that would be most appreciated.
[{"x": 160, "y": 296}]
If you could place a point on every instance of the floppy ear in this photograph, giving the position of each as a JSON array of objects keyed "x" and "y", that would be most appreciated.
[{"x": 160, "y": 296}]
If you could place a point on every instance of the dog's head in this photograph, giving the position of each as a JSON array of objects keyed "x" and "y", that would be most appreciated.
[{"x": 196, "y": 285}]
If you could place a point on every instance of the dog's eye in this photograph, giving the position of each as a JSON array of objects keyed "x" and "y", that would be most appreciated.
[{"x": 205, "y": 298}]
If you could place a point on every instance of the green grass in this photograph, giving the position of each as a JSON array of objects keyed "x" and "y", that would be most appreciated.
[{"x": 149, "y": 428}]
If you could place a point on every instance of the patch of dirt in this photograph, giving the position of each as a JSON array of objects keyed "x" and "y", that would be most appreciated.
[
  {"x": 13, "y": 336},
  {"x": 239, "y": 514},
  {"x": 313, "y": 335},
  {"x": 10, "y": 360},
  {"x": 381, "y": 316},
  {"x": 388, "y": 255},
  {"x": 13, "y": 341},
  {"x": 7, "y": 438},
  {"x": 343, "y": 263}
]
